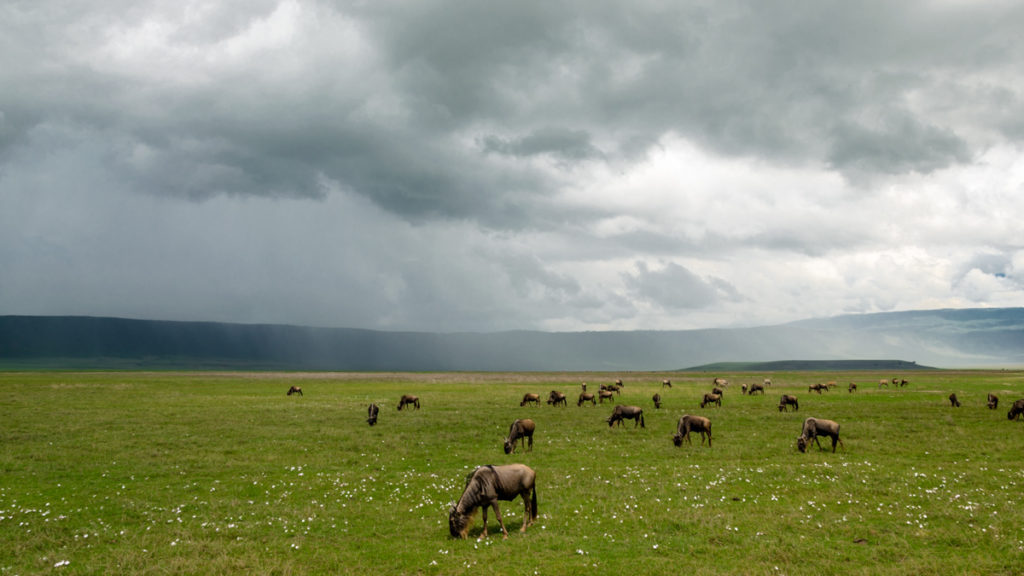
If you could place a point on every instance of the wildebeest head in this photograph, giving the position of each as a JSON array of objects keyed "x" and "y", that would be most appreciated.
[
  {"x": 508, "y": 446},
  {"x": 458, "y": 522},
  {"x": 677, "y": 440},
  {"x": 801, "y": 444}
]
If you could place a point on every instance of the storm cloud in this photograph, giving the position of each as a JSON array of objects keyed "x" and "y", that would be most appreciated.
[{"x": 457, "y": 165}]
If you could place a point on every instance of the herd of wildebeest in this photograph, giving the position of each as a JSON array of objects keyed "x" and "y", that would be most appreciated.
[{"x": 487, "y": 485}]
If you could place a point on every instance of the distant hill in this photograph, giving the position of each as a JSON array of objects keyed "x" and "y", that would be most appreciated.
[
  {"x": 942, "y": 338},
  {"x": 809, "y": 365}
]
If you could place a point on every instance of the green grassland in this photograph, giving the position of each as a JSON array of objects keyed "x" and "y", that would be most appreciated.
[{"x": 221, "y": 473}]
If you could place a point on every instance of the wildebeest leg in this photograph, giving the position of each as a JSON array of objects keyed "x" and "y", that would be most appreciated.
[
  {"x": 484, "y": 533},
  {"x": 527, "y": 516},
  {"x": 818, "y": 442},
  {"x": 530, "y": 449},
  {"x": 497, "y": 514},
  {"x": 839, "y": 440}
]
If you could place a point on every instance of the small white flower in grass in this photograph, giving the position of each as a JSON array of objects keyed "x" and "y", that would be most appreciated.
[
  {"x": 655, "y": 546},
  {"x": 62, "y": 563}
]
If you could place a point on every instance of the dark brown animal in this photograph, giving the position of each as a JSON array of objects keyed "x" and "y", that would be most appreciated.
[
  {"x": 717, "y": 390},
  {"x": 755, "y": 387},
  {"x": 710, "y": 398},
  {"x": 815, "y": 427},
  {"x": 1016, "y": 410},
  {"x": 657, "y": 400},
  {"x": 786, "y": 401},
  {"x": 294, "y": 390},
  {"x": 817, "y": 388},
  {"x": 556, "y": 398},
  {"x": 619, "y": 383},
  {"x": 485, "y": 486},
  {"x": 611, "y": 388},
  {"x": 689, "y": 424},
  {"x": 586, "y": 397},
  {"x": 408, "y": 400},
  {"x": 372, "y": 411},
  {"x": 903, "y": 383},
  {"x": 605, "y": 395},
  {"x": 666, "y": 383},
  {"x": 521, "y": 430},
  {"x": 852, "y": 387},
  {"x": 528, "y": 398},
  {"x": 621, "y": 413},
  {"x": 584, "y": 386},
  {"x": 953, "y": 400},
  {"x": 993, "y": 401}
]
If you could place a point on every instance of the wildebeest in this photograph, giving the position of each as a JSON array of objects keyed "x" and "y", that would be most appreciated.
[
  {"x": 814, "y": 427},
  {"x": 618, "y": 382},
  {"x": 767, "y": 382},
  {"x": 720, "y": 382},
  {"x": 1016, "y": 410},
  {"x": 903, "y": 382},
  {"x": 556, "y": 398},
  {"x": 657, "y": 400},
  {"x": 408, "y": 400},
  {"x": 743, "y": 388},
  {"x": 520, "y": 430},
  {"x": 852, "y": 387},
  {"x": 817, "y": 388},
  {"x": 666, "y": 383},
  {"x": 294, "y": 390},
  {"x": 372, "y": 411},
  {"x": 584, "y": 386},
  {"x": 586, "y": 397},
  {"x": 710, "y": 398},
  {"x": 611, "y": 388},
  {"x": 528, "y": 398},
  {"x": 605, "y": 395},
  {"x": 621, "y": 413},
  {"x": 689, "y": 424},
  {"x": 717, "y": 390},
  {"x": 786, "y": 401},
  {"x": 883, "y": 382},
  {"x": 755, "y": 387},
  {"x": 993, "y": 401},
  {"x": 953, "y": 400},
  {"x": 485, "y": 486}
]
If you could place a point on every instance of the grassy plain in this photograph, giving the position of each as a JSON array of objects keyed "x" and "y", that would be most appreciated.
[{"x": 221, "y": 473}]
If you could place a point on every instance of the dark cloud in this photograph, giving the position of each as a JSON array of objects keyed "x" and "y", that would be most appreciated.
[{"x": 676, "y": 287}]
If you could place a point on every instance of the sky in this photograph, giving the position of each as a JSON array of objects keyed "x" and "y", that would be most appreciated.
[{"x": 479, "y": 166}]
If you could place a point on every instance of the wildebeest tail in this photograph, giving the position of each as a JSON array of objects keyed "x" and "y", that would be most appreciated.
[
  {"x": 533, "y": 504},
  {"x": 642, "y": 420}
]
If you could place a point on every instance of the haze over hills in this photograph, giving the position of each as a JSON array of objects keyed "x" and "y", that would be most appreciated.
[{"x": 967, "y": 338}]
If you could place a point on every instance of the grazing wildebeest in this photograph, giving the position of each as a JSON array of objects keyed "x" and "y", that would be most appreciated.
[
  {"x": 586, "y": 397},
  {"x": 520, "y": 430},
  {"x": 817, "y": 388},
  {"x": 618, "y": 382},
  {"x": 883, "y": 382},
  {"x": 831, "y": 384},
  {"x": 895, "y": 381},
  {"x": 767, "y": 382},
  {"x": 294, "y": 390},
  {"x": 711, "y": 399},
  {"x": 743, "y": 388},
  {"x": 1016, "y": 410},
  {"x": 720, "y": 382},
  {"x": 556, "y": 398},
  {"x": 953, "y": 400},
  {"x": 611, "y": 388},
  {"x": 689, "y": 424},
  {"x": 755, "y": 387},
  {"x": 372, "y": 411},
  {"x": 814, "y": 427},
  {"x": 485, "y": 486},
  {"x": 528, "y": 398},
  {"x": 605, "y": 395},
  {"x": 621, "y": 413},
  {"x": 993, "y": 401},
  {"x": 852, "y": 387},
  {"x": 666, "y": 383},
  {"x": 903, "y": 383},
  {"x": 786, "y": 401},
  {"x": 717, "y": 390},
  {"x": 657, "y": 400},
  {"x": 408, "y": 400}
]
